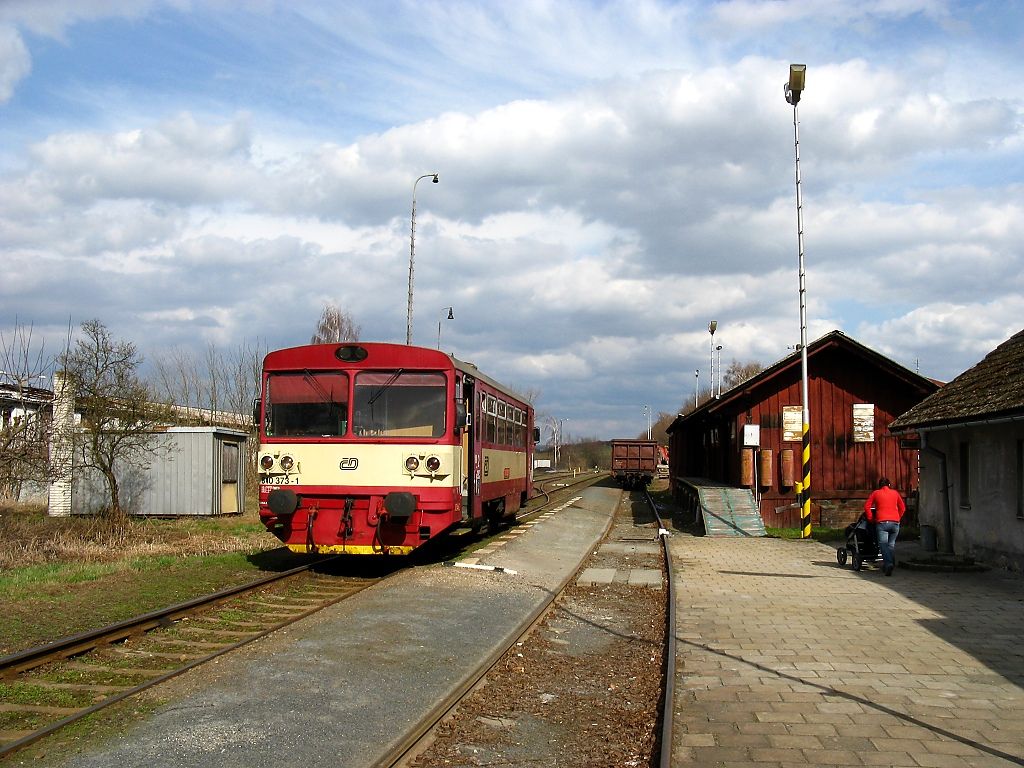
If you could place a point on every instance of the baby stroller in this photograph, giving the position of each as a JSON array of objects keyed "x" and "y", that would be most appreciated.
[{"x": 861, "y": 543}]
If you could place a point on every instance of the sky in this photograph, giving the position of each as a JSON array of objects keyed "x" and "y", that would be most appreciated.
[{"x": 613, "y": 176}]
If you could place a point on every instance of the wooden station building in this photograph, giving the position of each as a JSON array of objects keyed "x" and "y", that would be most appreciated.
[{"x": 750, "y": 436}]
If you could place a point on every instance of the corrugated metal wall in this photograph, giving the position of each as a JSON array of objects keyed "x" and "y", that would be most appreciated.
[{"x": 187, "y": 476}]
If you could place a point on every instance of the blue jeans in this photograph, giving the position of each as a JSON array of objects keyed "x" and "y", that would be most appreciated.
[{"x": 887, "y": 532}]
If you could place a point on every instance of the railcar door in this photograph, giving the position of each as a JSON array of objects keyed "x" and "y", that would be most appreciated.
[{"x": 471, "y": 509}]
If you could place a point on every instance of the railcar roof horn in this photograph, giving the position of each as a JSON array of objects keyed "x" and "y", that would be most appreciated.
[{"x": 350, "y": 353}]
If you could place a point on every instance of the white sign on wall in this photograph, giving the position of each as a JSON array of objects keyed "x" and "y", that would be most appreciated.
[
  {"x": 751, "y": 435},
  {"x": 792, "y": 423},
  {"x": 863, "y": 422}
]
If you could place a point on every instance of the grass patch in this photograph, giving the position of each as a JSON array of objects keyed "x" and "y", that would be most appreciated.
[
  {"x": 92, "y": 730},
  {"x": 46, "y": 602},
  {"x": 818, "y": 533}
]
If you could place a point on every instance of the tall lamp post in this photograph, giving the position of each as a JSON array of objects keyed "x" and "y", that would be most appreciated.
[
  {"x": 412, "y": 254},
  {"x": 647, "y": 413},
  {"x": 712, "y": 327},
  {"x": 553, "y": 426},
  {"x": 451, "y": 316},
  {"x": 718, "y": 349},
  {"x": 696, "y": 389},
  {"x": 793, "y": 88}
]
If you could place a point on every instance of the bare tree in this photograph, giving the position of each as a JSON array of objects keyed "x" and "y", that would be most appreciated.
[
  {"x": 218, "y": 390},
  {"x": 25, "y": 370},
  {"x": 336, "y": 326},
  {"x": 178, "y": 382},
  {"x": 738, "y": 372},
  {"x": 529, "y": 394},
  {"x": 119, "y": 411},
  {"x": 659, "y": 427}
]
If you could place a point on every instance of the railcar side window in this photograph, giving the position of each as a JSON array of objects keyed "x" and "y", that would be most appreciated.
[
  {"x": 399, "y": 404},
  {"x": 492, "y": 420},
  {"x": 307, "y": 404}
]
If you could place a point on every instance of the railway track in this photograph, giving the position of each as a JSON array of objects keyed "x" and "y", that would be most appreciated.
[
  {"x": 419, "y": 739},
  {"x": 46, "y": 688},
  {"x": 669, "y": 655},
  {"x": 558, "y": 484}
]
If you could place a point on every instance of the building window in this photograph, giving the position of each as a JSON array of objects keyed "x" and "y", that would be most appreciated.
[
  {"x": 1020, "y": 479},
  {"x": 965, "y": 475}
]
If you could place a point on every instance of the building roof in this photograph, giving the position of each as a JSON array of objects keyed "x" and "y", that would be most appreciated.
[
  {"x": 832, "y": 340},
  {"x": 994, "y": 388}
]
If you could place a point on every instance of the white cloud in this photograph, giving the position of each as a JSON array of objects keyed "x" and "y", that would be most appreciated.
[
  {"x": 53, "y": 17},
  {"x": 598, "y": 203},
  {"x": 15, "y": 62},
  {"x": 178, "y": 161}
]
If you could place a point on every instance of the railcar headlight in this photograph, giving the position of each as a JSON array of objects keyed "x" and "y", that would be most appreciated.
[
  {"x": 267, "y": 463},
  {"x": 433, "y": 463},
  {"x": 287, "y": 462},
  {"x": 412, "y": 463}
]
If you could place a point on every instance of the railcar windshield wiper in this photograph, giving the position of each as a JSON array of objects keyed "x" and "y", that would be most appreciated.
[
  {"x": 384, "y": 387},
  {"x": 317, "y": 387}
]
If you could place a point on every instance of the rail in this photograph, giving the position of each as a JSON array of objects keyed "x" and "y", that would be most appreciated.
[
  {"x": 669, "y": 656},
  {"x": 264, "y": 614},
  {"x": 419, "y": 737}
]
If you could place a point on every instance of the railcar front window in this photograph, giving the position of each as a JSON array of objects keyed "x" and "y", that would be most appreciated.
[
  {"x": 307, "y": 404},
  {"x": 399, "y": 404}
]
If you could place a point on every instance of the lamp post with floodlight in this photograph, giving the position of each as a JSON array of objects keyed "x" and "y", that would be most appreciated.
[
  {"x": 712, "y": 327},
  {"x": 793, "y": 88},
  {"x": 718, "y": 349},
  {"x": 412, "y": 254},
  {"x": 451, "y": 316}
]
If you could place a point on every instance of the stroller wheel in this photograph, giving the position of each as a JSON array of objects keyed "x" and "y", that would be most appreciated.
[
  {"x": 858, "y": 561},
  {"x": 841, "y": 556}
]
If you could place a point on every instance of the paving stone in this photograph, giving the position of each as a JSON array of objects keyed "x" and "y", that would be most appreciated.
[
  {"x": 591, "y": 576},
  {"x": 790, "y": 647},
  {"x": 645, "y": 577}
]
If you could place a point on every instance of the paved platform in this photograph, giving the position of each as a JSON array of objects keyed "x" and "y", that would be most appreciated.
[{"x": 787, "y": 659}]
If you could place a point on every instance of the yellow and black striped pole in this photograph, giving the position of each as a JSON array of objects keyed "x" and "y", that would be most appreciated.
[
  {"x": 804, "y": 486},
  {"x": 793, "y": 89}
]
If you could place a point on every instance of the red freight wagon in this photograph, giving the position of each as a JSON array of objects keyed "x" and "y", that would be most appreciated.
[{"x": 634, "y": 462}]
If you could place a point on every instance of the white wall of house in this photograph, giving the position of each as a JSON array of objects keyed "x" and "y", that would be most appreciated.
[{"x": 986, "y": 508}]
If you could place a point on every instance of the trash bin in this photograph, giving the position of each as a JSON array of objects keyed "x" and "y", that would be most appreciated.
[{"x": 929, "y": 541}]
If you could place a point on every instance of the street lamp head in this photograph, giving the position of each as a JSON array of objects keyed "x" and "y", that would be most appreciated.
[
  {"x": 713, "y": 326},
  {"x": 435, "y": 178},
  {"x": 451, "y": 313},
  {"x": 792, "y": 89}
]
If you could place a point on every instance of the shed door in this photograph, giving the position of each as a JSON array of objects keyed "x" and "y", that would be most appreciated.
[{"x": 229, "y": 478}]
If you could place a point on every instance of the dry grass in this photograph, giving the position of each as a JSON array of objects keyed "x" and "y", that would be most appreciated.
[{"x": 28, "y": 537}]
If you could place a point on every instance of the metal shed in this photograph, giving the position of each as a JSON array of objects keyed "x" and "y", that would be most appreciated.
[{"x": 197, "y": 471}]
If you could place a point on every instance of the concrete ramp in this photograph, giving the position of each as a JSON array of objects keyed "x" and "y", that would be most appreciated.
[{"x": 726, "y": 510}]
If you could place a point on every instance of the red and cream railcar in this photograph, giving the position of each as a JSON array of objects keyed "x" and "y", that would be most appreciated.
[{"x": 370, "y": 448}]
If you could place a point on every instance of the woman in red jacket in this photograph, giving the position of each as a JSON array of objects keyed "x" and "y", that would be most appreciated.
[{"x": 885, "y": 509}]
